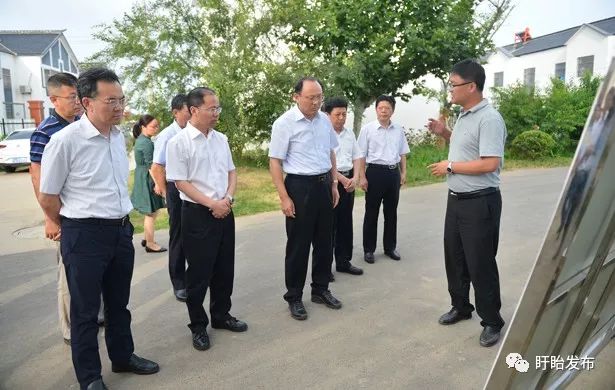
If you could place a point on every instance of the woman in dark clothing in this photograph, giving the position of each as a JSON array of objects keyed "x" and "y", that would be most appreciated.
[{"x": 143, "y": 197}]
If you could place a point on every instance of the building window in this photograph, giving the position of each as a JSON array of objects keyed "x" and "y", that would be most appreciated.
[
  {"x": 585, "y": 64},
  {"x": 47, "y": 58},
  {"x": 560, "y": 71},
  {"x": 529, "y": 77},
  {"x": 498, "y": 79},
  {"x": 8, "y": 93},
  {"x": 47, "y": 73}
]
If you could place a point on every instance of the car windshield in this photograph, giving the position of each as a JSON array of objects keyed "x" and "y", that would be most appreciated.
[{"x": 20, "y": 134}]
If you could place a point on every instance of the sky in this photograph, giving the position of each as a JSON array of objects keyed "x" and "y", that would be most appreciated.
[{"x": 78, "y": 17}]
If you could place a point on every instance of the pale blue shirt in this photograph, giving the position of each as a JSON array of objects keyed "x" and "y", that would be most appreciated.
[
  {"x": 88, "y": 170},
  {"x": 160, "y": 145},
  {"x": 303, "y": 145},
  {"x": 347, "y": 151},
  {"x": 381, "y": 145}
]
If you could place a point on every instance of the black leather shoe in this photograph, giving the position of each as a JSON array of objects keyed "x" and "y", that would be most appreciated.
[
  {"x": 327, "y": 299},
  {"x": 67, "y": 341},
  {"x": 489, "y": 336},
  {"x": 136, "y": 365},
  {"x": 180, "y": 295},
  {"x": 331, "y": 277},
  {"x": 143, "y": 243},
  {"x": 350, "y": 269},
  {"x": 200, "y": 340},
  {"x": 97, "y": 385},
  {"x": 150, "y": 250},
  {"x": 393, "y": 254},
  {"x": 297, "y": 310},
  {"x": 369, "y": 257},
  {"x": 453, "y": 316},
  {"x": 231, "y": 323}
]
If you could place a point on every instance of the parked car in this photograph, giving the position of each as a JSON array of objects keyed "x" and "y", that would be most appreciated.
[{"x": 15, "y": 149}]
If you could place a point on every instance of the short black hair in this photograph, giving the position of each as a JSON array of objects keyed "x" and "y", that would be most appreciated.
[
  {"x": 472, "y": 71},
  {"x": 59, "y": 80},
  {"x": 386, "y": 98},
  {"x": 334, "y": 102},
  {"x": 299, "y": 86},
  {"x": 179, "y": 101},
  {"x": 196, "y": 96},
  {"x": 88, "y": 80}
]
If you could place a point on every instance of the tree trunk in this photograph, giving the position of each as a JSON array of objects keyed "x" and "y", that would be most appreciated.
[{"x": 358, "y": 108}]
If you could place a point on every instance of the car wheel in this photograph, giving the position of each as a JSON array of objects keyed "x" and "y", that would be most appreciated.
[{"x": 10, "y": 169}]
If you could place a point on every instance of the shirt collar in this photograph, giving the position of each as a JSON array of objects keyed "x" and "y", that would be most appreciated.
[
  {"x": 61, "y": 119},
  {"x": 89, "y": 131},
  {"x": 483, "y": 103},
  {"x": 297, "y": 115},
  {"x": 193, "y": 132},
  {"x": 379, "y": 126}
]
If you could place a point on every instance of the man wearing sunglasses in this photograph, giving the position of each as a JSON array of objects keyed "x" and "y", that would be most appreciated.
[{"x": 472, "y": 222}]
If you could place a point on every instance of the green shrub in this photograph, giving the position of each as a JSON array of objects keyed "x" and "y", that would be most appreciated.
[{"x": 533, "y": 144}]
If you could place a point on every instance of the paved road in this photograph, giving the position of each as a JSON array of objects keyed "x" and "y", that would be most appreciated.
[{"x": 386, "y": 336}]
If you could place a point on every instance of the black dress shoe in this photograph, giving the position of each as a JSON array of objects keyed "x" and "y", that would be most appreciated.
[
  {"x": 453, "y": 316},
  {"x": 137, "y": 365},
  {"x": 350, "y": 269},
  {"x": 200, "y": 340},
  {"x": 369, "y": 257},
  {"x": 143, "y": 243},
  {"x": 331, "y": 277},
  {"x": 67, "y": 341},
  {"x": 150, "y": 250},
  {"x": 231, "y": 323},
  {"x": 297, "y": 310},
  {"x": 180, "y": 295},
  {"x": 489, "y": 336},
  {"x": 393, "y": 254},
  {"x": 97, "y": 385},
  {"x": 327, "y": 299}
]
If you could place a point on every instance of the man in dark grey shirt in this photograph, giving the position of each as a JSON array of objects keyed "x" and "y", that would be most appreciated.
[{"x": 472, "y": 223}]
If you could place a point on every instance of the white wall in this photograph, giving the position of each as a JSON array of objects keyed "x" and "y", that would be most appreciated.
[
  {"x": 28, "y": 73},
  {"x": 587, "y": 42}
]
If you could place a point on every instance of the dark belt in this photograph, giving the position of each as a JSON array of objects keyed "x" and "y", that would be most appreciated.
[
  {"x": 381, "y": 166},
  {"x": 348, "y": 173},
  {"x": 193, "y": 205},
  {"x": 101, "y": 221},
  {"x": 319, "y": 178},
  {"x": 474, "y": 194}
]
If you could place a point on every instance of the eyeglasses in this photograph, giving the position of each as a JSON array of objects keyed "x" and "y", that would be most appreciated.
[
  {"x": 69, "y": 97},
  {"x": 211, "y": 110},
  {"x": 113, "y": 102},
  {"x": 315, "y": 99},
  {"x": 451, "y": 86}
]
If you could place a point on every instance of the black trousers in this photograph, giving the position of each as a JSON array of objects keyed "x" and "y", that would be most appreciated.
[
  {"x": 312, "y": 226},
  {"x": 98, "y": 258},
  {"x": 383, "y": 187},
  {"x": 471, "y": 235},
  {"x": 342, "y": 227},
  {"x": 177, "y": 259},
  {"x": 209, "y": 244}
]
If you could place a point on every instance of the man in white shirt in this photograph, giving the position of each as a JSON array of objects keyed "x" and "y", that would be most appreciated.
[
  {"x": 385, "y": 147},
  {"x": 84, "y": 190},
  {"x": 199, "y": 161},
  {"x": 348, "y": 161},
  {"x": 302, "y": 145},
  {"x": 177, "y": 258}
]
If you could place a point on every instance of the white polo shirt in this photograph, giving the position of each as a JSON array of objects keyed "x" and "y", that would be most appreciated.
[
  {"x": 160, "y": 145},
  {"x": 203, "y": 161},
  {"x": 88, "y": 171},
  {"x": 382, "y": 145},
  {"x": 303, "y": 145},
  {"x": 347, "y": 151}
]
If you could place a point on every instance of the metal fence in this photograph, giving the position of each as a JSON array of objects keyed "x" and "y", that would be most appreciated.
[{"x": 7, "y": 127}]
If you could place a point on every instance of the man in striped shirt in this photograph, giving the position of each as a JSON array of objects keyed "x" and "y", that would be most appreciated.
[{"x": 62, "y": 89}]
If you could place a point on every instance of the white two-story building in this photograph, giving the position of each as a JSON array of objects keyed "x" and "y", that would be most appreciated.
[
  {"x": 565, "y": 54},
  {"x": 27, "y": 59}
]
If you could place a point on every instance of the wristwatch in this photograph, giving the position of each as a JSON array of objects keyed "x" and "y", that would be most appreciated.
[
  {"x": 449, "y": 168},
  {"x": 230, "y": 198}
]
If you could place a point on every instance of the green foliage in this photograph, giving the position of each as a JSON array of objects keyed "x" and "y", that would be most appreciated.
[
  {"x": 560, "y": 110},
  {"x": 533, "y": 144}
]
